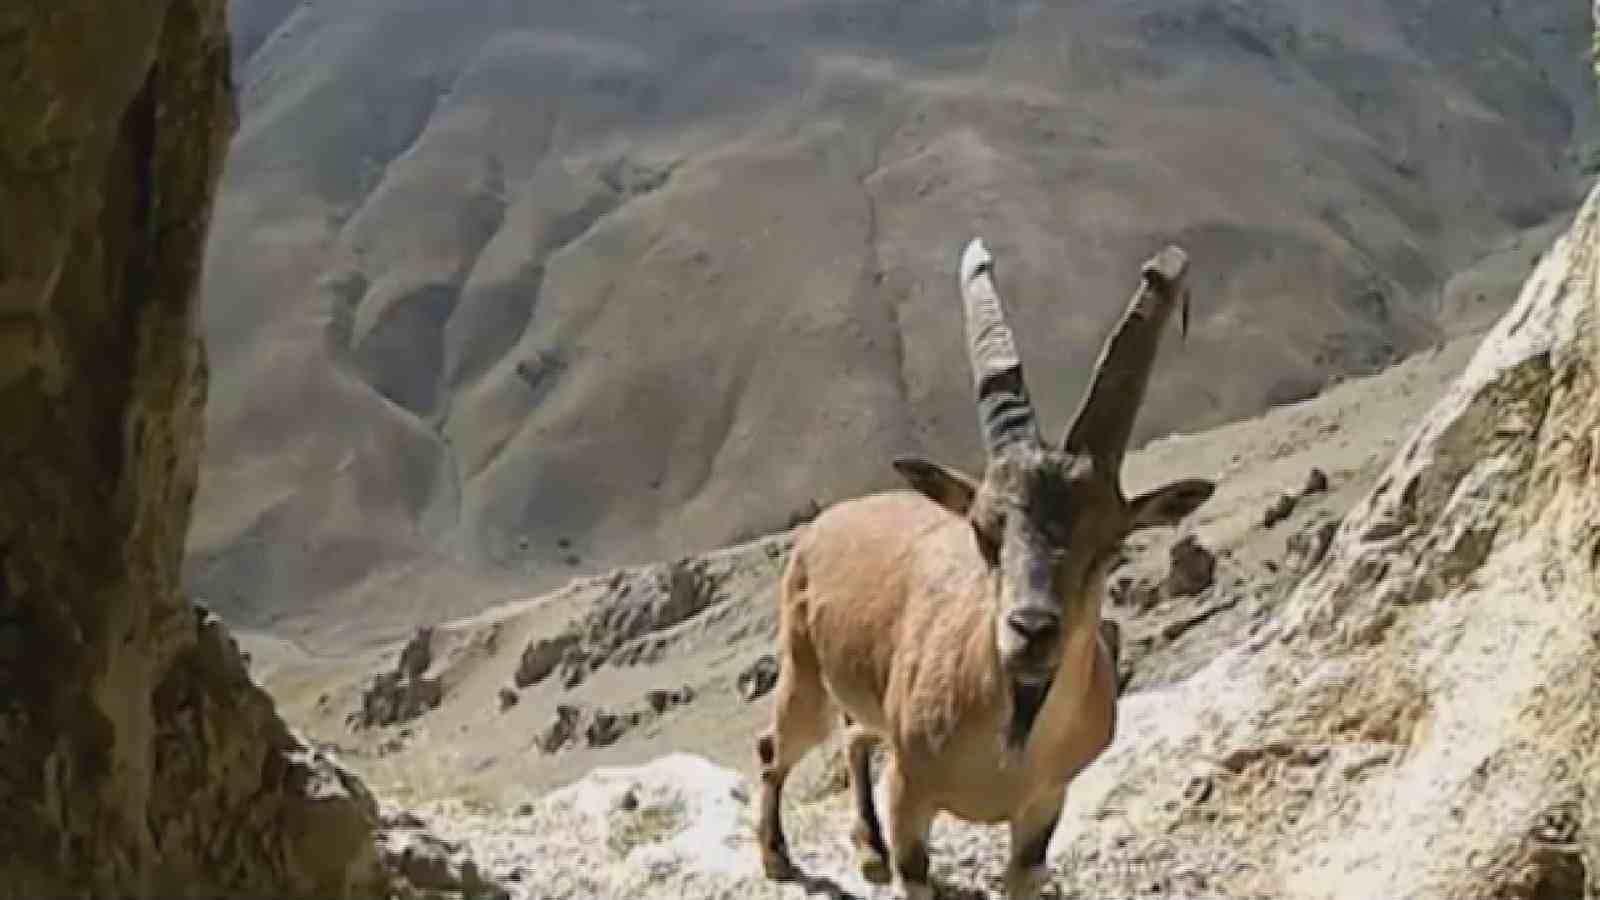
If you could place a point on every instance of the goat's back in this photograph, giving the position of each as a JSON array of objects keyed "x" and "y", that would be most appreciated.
[{"x": 888, "y": 590}]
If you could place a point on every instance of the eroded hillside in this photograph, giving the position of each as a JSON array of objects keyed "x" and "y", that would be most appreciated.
[{"x": 501, "y": 293}]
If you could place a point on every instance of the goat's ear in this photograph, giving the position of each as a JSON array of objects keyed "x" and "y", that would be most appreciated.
[
  {"x": 941, "y": 484},
  {"x": 1170, "y": 503}
]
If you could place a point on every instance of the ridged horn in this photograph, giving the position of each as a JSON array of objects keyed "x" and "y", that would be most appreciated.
[
  {"x": 1005, "y": 414},
  {"x": 1116, "y": 390}
]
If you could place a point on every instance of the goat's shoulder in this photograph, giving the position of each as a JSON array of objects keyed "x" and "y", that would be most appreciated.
[
  {"x": 884, "y": 549},
  {"x": 888, "y": 522}
]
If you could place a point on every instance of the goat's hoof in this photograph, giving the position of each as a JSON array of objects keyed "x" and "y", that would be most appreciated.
[
  {"x": 874, "y": 868},
  {"x": 778, "y": 866},
  {"x": 1026, "y": 884}
]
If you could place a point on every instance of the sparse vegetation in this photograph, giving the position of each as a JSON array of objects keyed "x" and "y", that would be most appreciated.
[{"x": 631, "y": 828}]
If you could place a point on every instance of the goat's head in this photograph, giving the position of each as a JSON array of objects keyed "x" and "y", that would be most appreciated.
[{"x": 1048, "y": 519}]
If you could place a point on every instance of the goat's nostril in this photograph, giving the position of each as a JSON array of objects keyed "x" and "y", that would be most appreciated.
[{"x": 1034, "y": 624}]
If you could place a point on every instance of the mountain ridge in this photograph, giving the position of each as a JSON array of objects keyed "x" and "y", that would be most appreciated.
[{"x": 503, "y": 296}]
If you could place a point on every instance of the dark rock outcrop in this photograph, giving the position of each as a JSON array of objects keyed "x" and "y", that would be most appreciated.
[
  {"x": 540, "y": 658},
  {"x": 600, "y": 727},
  {"x": 137, "y": 757},
  {"x": 435, "y": 866},
  {"x": 638, "y": 614},
  {"x": 1284, "y": 507},
  {"x": 1193, "y": 568},
  {"x": 404, "y": 693},
  {"x": 390, "y": 698}
]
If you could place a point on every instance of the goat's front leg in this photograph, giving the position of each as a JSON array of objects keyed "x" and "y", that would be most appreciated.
[
  {"x": 1031, "y": 830},
  {"x": 910, "y": 814}
]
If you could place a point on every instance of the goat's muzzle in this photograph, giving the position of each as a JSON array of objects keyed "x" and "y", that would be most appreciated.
[{"x": 1030, "y": 643}]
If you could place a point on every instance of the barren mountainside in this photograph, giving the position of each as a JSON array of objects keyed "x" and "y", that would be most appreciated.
[{"x": 504, "y": 292}]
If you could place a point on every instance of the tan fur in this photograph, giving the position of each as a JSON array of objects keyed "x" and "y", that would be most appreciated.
[
  {"x": 930, "y": 617},
  {"x": 886, "y": 616}
]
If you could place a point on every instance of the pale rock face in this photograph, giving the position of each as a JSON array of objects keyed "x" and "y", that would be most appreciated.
[
  {"x": 1424, "y": 721},
  {"x": 677, "y": 826}
]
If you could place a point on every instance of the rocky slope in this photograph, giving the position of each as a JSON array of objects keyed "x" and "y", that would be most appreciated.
[
  {"x": 498, "y": 708},
  {"x": 500, "y": 293},
  {"x": 137, "y": 757},
  {"x": 1415, "y": 714}
]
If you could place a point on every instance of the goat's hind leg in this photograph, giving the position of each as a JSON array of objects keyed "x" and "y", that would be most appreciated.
[
  {"x": 800, "y": 722},
  {"x": 871, "y": 851}
]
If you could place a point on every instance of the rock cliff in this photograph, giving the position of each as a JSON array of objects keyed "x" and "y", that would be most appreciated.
[{"x": 137, "y": 757}]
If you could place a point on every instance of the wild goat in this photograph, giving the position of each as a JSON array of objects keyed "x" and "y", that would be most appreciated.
[{"x": 959, "y": 623}]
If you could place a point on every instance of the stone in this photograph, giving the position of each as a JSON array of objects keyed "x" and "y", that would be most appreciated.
[
  {"x": 424, "y": 860},
  {"x": 403, "y": 819},
  {"x": 1307, "y": 547},
  {"x": 391, "y": 698},
  {"x": 759, "y": 678},
  {"x": 661, "y": 700},
  {"x": 558, "y": 732},
  {"x": 574, "y": 667},
  {"x": 417, "y": 655},
  {"x": 606, "y": 728},
  {"x": 540, "y": 659},
  {"x": 1192, "y": 568},
  {"x": 1281, "y": 508},
  {"x": 1316, "y": 482}
]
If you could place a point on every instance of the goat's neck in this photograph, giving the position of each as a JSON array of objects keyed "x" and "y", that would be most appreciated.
[
  {"x": 1038, "y": 713},
  {"x": 1075, "y": 682},
  {"x": 1080, "y": 650}
]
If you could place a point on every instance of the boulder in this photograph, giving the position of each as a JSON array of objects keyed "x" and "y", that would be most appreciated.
[
  {"x": 541, "y": 657},
  {"x": 1192, "y": 568}
]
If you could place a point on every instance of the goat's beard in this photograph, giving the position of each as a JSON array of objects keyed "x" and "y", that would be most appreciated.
[
  {"x": 1023, "y": 667},
  {"x": 1026, "y": 701}
]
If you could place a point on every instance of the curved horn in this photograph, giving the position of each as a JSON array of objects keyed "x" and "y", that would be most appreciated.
[
  {"x": 1116, "y": 390},
  {"x": 1004, "y": 411}
]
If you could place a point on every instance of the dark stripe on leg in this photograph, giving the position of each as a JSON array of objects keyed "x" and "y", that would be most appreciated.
[
  {"x": 1032, "y": 853},
  {"x": 913, "y": 867},
  {"x": 861, "y": 776},
  {"x": 772, "y": 815}
]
